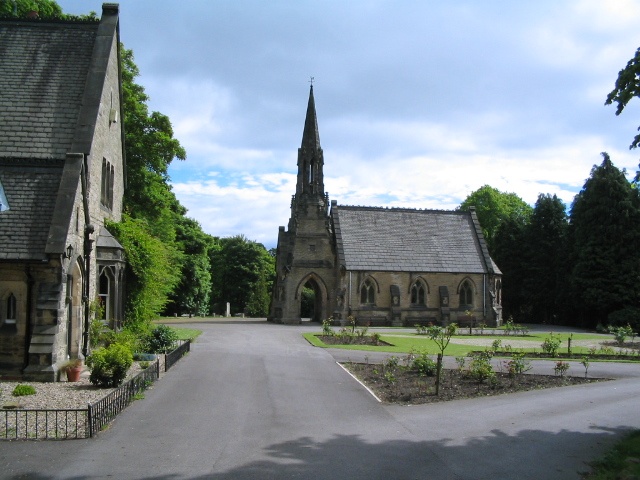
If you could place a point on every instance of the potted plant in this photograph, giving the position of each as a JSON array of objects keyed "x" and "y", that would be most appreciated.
[{"x": 73, "y": 369}]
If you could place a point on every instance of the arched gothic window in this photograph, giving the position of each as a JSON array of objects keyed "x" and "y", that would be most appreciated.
[
  {"x": 11, "y": 309},
  {"x": 367, "y": 293},
  {"x": 418, "y": 293},
  {"x": 466, "y": 294}
]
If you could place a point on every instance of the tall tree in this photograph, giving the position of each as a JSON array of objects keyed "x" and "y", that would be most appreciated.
[
  {"x": 626, "y": 88},
  {"x": 605, "y": 219},
  {"x": 192, "y": 293},
  {"x": 150, "y": 148},
  {"x": 545, "y": 259},
  {"x": 242, "y": 274},
  {"x": 508, "y": 254},
  {"x": 494, "y": 207}
]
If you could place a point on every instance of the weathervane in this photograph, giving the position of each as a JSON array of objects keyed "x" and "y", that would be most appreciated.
[{"x": 311, "y": 81}]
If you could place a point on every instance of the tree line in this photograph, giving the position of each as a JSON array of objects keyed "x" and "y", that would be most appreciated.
[
  {"x": 173, "y": 266},
  {"x": 577, "y": 267},
  {"x": 580, "y": 267}
]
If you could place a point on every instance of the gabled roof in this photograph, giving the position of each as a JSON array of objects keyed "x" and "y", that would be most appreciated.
[
  {"x": 43, "y": 72},
  {"x": 25, "y": 226},
  {"x": 395, "y": 239},
  {"x": 51, "y": 78}
]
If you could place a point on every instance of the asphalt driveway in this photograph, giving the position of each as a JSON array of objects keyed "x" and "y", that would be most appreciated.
[{"x": 255, "y": 401}]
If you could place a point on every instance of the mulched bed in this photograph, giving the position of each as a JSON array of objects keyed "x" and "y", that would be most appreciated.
[
  {"x": 409, "y": 388},
  {"x": 618, "y": 357},
  {"x": 354, "y": 340}
]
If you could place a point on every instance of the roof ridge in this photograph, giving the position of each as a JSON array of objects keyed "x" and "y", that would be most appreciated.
[
  {"x": 401, "y": 209},
  {"x": 60, "y": 21}
]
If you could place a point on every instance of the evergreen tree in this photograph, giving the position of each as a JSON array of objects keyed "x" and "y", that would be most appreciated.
[
  {"x": 605, "y": 223},
  {"x": 545, "y": 259},
  {"x": 508, "y": 255}
]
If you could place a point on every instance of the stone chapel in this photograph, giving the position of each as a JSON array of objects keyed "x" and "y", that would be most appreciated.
[
  {"x": 380, "y": 266},
  {"x": 62, "y": 177}
]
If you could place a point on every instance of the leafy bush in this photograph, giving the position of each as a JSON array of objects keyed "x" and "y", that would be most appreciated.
[
  {"x": 551, "y": 344},
  {"x": 561, "y": 368},
  {"x": 162, "y": 339},
  {"x": 621, "y": 333},
  {"x": 109, "y": 365},
  {"x": 424, "y": 365},
  {"x": 480, "y": 368},
  {"x": 517, "y": 365},
  {"x": 22, "y": 390},
  {"x": 326, "y": 326}
]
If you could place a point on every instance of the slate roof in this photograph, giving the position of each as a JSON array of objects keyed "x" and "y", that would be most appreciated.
[
  {"x": 44, "y": 66},
  {"x": 43, "y": 71},
  {"x": 381, "y": 239},
  {"x": 25, "y": 226}
]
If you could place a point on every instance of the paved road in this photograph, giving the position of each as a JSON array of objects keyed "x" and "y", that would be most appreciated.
[{"x": 255, "y": 401}]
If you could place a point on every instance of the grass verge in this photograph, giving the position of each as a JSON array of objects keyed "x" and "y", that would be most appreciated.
[
  {"x": 187, "y": 333},
  {"x": 622, "y": 461}
]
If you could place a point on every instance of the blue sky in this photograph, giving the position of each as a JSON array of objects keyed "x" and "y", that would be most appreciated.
[{"x": 419, "y": 103}]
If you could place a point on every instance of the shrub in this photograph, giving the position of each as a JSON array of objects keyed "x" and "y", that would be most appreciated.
[
  {"x": 109, "y": 365},
  {"x": 561, "y": 368},
  {"x": 517, "y": 365},
  {"x": 423, "y": 364},
  {"x": 621, "y": 333},
  {"x": 480, "y": 368},
  {"x": 162, "y": 339},
  {"x": 551, "y": 344},
  {"x": 326, "y": 326},
  {"x": 22, "y": 390}
]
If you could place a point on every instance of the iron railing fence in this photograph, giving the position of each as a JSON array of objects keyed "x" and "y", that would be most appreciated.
[
  {"x": 48, "y": 424},
  {"x": 43, "y": 424},
  {"x": 171, "y": 358},
  {"x": 100, "y": 413}
]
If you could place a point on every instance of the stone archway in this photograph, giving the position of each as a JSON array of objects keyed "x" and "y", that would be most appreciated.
[{"x": 312, "y": 299}]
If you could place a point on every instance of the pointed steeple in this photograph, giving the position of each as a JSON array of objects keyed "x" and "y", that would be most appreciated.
[
  {"x": 310, "y": 157},
  {"x": 310, "y": 135}
]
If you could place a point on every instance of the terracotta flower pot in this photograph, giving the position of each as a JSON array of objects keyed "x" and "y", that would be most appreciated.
[{"x": 73, "y": 374}]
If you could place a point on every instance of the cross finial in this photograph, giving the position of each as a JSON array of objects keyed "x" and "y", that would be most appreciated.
[{"x": 311, "y": 81}]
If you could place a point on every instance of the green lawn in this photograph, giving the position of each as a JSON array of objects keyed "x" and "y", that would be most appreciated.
[
  {"x": 406, "y": 341},
  {"x": 186, "y": 333}
]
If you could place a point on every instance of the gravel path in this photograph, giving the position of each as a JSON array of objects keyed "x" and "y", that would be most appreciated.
[{"x": 58, "y": 395}]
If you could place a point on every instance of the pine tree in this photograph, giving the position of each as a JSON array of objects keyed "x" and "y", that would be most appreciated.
[
  {"x": 605, "y": 219},
  {"x": 546, "y": 258}
]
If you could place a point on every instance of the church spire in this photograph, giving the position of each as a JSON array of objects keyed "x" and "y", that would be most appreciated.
[
  {"x": 310, "y": 135},
  {"x": 310, "y": 156}
]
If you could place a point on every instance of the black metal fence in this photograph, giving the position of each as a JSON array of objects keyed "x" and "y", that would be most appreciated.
[
  {"x": 75, "y": 423},
  {"x": 83, "y": 423},
  {"x": 43, "y": 424},
  {"x": 171, "y": 358},
  {"x": 103, "y": 411}
]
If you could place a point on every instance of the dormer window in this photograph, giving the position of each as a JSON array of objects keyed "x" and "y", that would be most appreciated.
[{"x": 4, "y": 204}]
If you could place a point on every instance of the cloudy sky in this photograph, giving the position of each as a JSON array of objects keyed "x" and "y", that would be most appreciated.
[{"x": 419, "y": 102}]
